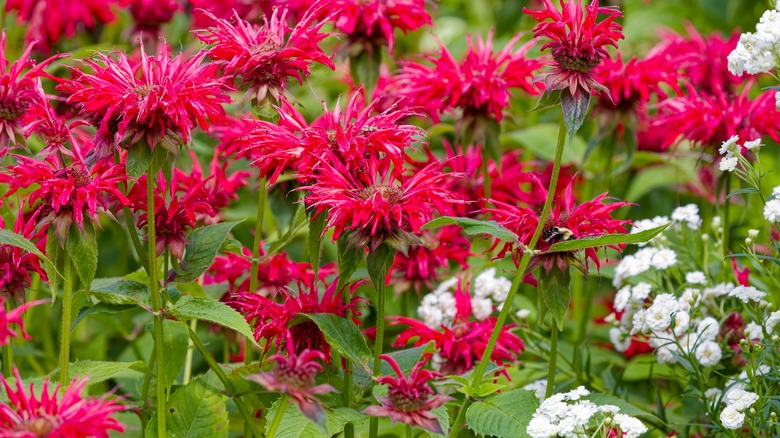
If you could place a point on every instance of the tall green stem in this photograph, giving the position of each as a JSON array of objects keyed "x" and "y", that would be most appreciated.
[
  {"x": 151, "y": 182},
  {"x": 379, "y": 342},
  {"x": 261, "y": 195},
  {"x": 551, "y": 366},
  {"x": 271, "y": 430},
  {"x": 67, "y": 317},
  {"x": 479, "y": 372},
  {"x": 349, "y": 429}
]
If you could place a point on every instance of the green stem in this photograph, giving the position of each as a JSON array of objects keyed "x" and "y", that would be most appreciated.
[
  {"x": 373, "y": 429},
  {"x": 8, "y": 349},
  {"x": 349, "y": 429},
  {"x": 551, "y": 369},
  {"x": 67, "y": 317},
  {"x": 245, "y": 412},
  {"x": 139, "y": 249},
  {"x": 726, "y": 216},
  {"x": 479, "y": 372},
  {"x": 271, "y": 430},
  {"x": 145, "y": 393},
  {"x": 190, "y": 353},
  {"x": 151, "y": 182},
  {"x": 486, "y": 188},
  {"x": 261, "y": 195}
]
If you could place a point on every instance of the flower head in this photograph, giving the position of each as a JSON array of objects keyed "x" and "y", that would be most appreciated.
[
  {"x": 56, "y": 415},
  {"x": 410, "y": 399},
  {"x": 149, "y": 15},
  {"x": 265, "y": 57},
  {"x": 16, "y": 264},
  {"x": 13, "y": 317}
]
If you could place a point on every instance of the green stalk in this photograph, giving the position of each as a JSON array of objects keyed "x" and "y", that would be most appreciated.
[
  {"x": 373, "y": 429},
  {"x": 271, "y": 430},
  {"x": 151, "y": 182},
  {"x": 8, "y": 349},
  {"x": 190, "y": 353},
  {"x": 261, "y": 195},
  {"x": 67, "y": 317},
  {"x": 145, "y": 393},
  {"x": 551, "y": 368},
  {"x": 245, "y": 412},
  {"x": 476, "y": 376},
  {"x": 349, "y": 429},
  {"x": 486, "y": 189}
]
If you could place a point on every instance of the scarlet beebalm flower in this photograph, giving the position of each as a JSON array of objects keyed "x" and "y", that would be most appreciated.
[
  {"x": 479, "y": 85},
  {"x": 589, "y": 219},
  {"x": 67, "y": 194},
  {"x": 157, "y": 101},
  {"x": 376, "y": 206},
  {"x": 273, "y": 320},
  {"x": 461, "y": 345},
  {"x": 633, "y": 84},
  {"x": 16, "y": 264},
  {"x": 410, "y": 399},
  {"x": 578, "y": 43},
  {"x": 265, "y": 57},
  {"x": 296, "y": 375},
  {"x": 13, "y": 317},
  {"x": 249, "y": 10},
  {"x": 220, "y": 187},
  {"x": 149, "y": 15},
  {"x": 56, "y": 415}
]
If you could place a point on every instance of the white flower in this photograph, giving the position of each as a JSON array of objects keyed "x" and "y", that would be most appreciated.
[
  {"x": 541, "y": 427},
  {"x": 718, "y": 290},
  {"x": 740, "y": 399},
  {"x": 640, "y": 292},
  {"x": 658, "y": 318},
  {"x": 772, "y": 321},
  {"x": 708, "y": 329},
  {"x": 708, "y": 353},
  {"x": 776, "y": 192},
  {"x": 665, "y": 353},
  {"x": 619, "y": 338},
  {"x": 523, "y": 313},
  {"x": 689, "y": 298},
  {"x": 501, "y": 289},
  {"x": 668, "y": 302},
  {"x": 639, "y": 322},
  {"x": 731, "y": 418},
  {"x": 696, "y": 277},
  {"x": 772, "y": 210},
  {"x": 728, "y": 164},
  {"x": 752, "y": 234},
  {"x": 777, "y": 96},
  {"x": 539, "y": 388},
  {"x": 481, "y": 308},
  {"x": 754, "y": 331},
  {"x": 756, "y": 52},
  {"x": 746, "y": 294},
  {"x": 630, "y": 426},
  {"x": 753, "y": 144},
  {"x": 688, "y": 214},
  {"x": 682, "y": 320},
  {"x": 621, "y": 298},
  {"x": 713, "y": 394},
  {"x": 664, "y": 258},
  {"x": 727, "y": 147}
]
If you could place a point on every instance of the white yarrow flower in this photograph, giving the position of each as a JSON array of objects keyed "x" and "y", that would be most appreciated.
[
  {"x": 750, "y": 145},
  {"x": 708, "y": 353},
  {"x": 728, "y": 164},
  {"x": 772, "y": 210},
  {"x": 664, "y": 259},
  {"x": 630, "y": 426},
  {"x": 731, "y": 418},
  {"x": 696, "y": 277}
]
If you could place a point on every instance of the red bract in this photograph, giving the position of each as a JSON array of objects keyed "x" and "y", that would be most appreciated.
[
  {"x": 462, "y": 345},
  {"x": 369, "y": 23},
  {"x": 273, "y": 320},
  {"x": 69, "y": 415},
  {"x": 479, "y": 85},
  {"x": 49, "y": 20},
  {"x": 157, "y": 101},
  {"x": 589, "y": 219},
  {"x": 13, "y": 317},
  {"x": 421, "y": 266},
  {"x": 67, "y": 193},
  {"x": 149, "y": 15},
  {"x": 296, "y": 375},
  {"x": 16, "y": 264},
  {"x": 376, "y": 205},
  {"x": 578, "y": 42},
  {"x": 265, "y": 57},
  {"x": 410, "y": 400},
  {"x": 19, "y": 92},
  {"x": 172, "y": 219}
]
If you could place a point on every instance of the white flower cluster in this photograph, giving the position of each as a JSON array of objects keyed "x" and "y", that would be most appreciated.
[
  {"x": 438, "y": 307},
  {"x": 731, "y": 152},
  {"x": 746, "y": 294},
  {"x": 556, "y": 417},
  {"x": 758, "y": 52},
  {"x": 737, "y": 402},
  {"x": 772, "y": 207},
  {"x": 642, "y": 261},
  {"x": 648, "y": 224},
  {"x": 688, "y": 215}
]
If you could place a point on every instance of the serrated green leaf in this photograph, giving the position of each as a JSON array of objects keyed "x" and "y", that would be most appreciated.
[
  {"x": 314, "y": 241},
  {"x": 625, "y": 407},
  {"x": 608, "y": 239},
  {"x": 343, "y": 335},
  {"x": 340, "y": 417},
  {"x": 100, "y": 308},
  {"x": 120, "y": 291},
  {"x": 176, "y": 337},
  {"x": 196, "y": 410},
  {"x": 504, "y": 415},
  {"x": 348, "y": 259},
  {"x": 555, "y": 287},
  {"x": 99, "y": 371},
  {"x": 202, "y": 246},
  {"x": 139, "y": 157},
  {"x": 294, "y": 424},
  {"x": 83, "y": 252},
  {"x": 188, "y": 308},
  {"x": 474, "y": 227}
]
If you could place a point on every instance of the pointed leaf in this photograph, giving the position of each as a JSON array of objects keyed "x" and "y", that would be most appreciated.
[
  {"x": 504, "y": 415},
  {"x": 349, "y": 258},
  {"x": 189, "y": 307},
  {"x": 99, "y": 371},
  {"x": 196, "y": 410},
  {"x": 175, "y": 343},
  {"x": 100, "y": 308},
  {"x": 121, "y": 292},
  {"x": 343, "y": 335},
  {"x": 608, "y": 239},
  {"x": 474, "y": 227},
  {"x": 83, "y": 252},
  {"x": 314, "y": 241},
  {"x": 294, "y": 424},
  {"x": 201, "y": 249},
  {"x": 575, "y": 108},
  {"x": 554, "y": 286}
]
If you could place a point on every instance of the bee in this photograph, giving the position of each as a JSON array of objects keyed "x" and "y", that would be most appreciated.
[{"x": 557, "y": 234}]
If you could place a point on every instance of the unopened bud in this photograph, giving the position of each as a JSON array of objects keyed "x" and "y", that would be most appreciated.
[
  {"x": 748, "y": 241},
  {"x": 752, "y": 411},
  {"x": 705, "y": 237},
  {"x": 752, "y": 233}
]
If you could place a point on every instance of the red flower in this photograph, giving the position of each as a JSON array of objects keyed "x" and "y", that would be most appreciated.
[
  {"x": 67, "y": 194},
  {"x": 219, "y": 189},
  {"x": 372, "y": 22},
  {"x": 742, "y": 275},
  {"x": 410, "y": 400},
  {"x": 53, "y": 415},
  {"x": 157, "y": 101},
  {"x": 479, "y": 85},
  {"x": 226, "y": 9},
  {"x": 149, "y": 15},
  {"x": 578, "y": 43},
  {"x": 631, "y": 85},
  {"x": 53, "y": 130},
  {"x": 273, "y": 321},
  {"x": 591, "y": 218},
  {"x": 462, "y": 345},
  {"x": 49, "y": 20},
  {"x": 13, "y": 317},
  {"x": 378, "y": 206},
  {"x": 17, "y": 264},
  {"x": 260, "y": 56},
  {"x": 20, "y": 92},
  {"x": 296, "y": 375}
]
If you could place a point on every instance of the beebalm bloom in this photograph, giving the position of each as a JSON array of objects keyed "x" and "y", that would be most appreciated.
[
  {"x": 410, "y": 399},
  {"x": 578, "y": 43},
  {"x": 479, "y": 85},
  {"x": 265, "y": 57},
  {"x": 758, "y": 52},
  {"x": 157, "y": 101},
  {"x": 150, "y": 15},
  {"x": 56, "y": 413},
  {"x": 7, "y": 333}
]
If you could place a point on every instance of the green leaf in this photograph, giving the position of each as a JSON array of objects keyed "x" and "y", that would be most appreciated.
[
  {"x": 201, "y": 249},
  {"x": 294, "y": 424},
  {"x": 503, "y": 415},
  {"x": 118, "y": 291},
  {"x": 749, "y": 190},
  {"x": 99, "y": 371},
  {"x": 473, "y": 227},
  {"x": 343, "y": 335},
  {"x": 349, "y": 258},
  {"x": 83, "y": 252},
  {"x": 100, "y": 308},
  {"x": 139, "y": 157},
  {"x": 175, "y": 343},
  {"x": 406, "y": 360},
  {"x": 297, "y": 221},
  {"x": 625, "y": 407},
  {"x": 188, "y": 308},
  {"x": 340, "y": 417},
  {"x": 314, "y": 241},
  {"x": 653, "y": 178},
  {"x": 555, "y": 287},
  {"x": 608, "y": 239},
  {"x": 196, "y": 410},
  {"x": 57, "y": 262},
  {"x": 575, "y": 108},
  {"x": 8, "y": 237}
]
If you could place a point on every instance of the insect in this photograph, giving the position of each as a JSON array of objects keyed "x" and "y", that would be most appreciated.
[{"x": 557, "y": 234}]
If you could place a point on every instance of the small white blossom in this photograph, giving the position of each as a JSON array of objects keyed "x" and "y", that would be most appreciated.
[
  {"x": 728, "y": 164},
  {"x": 619, "y": 338},
  {"x": 731, "y": 418},
  {"x": 541, "y": 427},
  {"x": 664, "y": 259},
  {"x": 754, "y": 331},
  {"x": 708, "y": 329},
  {"x": 740, "y": 399},
  {"x": 689, "y": 298},
  {"x": 772, "y": 211},
  {"x": 640, "y": 292},
  {"x": 708, "y": 353},
  {"x": 746, "y": 294},
  {"x": 665, "y": 353},
  {"x": 639, "y": 322},
  {"x": 718, "y": 290},
  {"x": 776, "y": 192},
  {"x": 630, "y": 426},
  {"x": 622, "y": 298},
  {"x": 481, "y": 308},
  {"x": 688, "y": 214},
  {"x": 523, "y": 313},
  {"x": 772, "y": 321},
  {"x": 682, "y": 321},
  {"x": 658, "y": 318},
  {"x": 750, "y": 145},
  {"x": 727, "y": 147},
  {"x": 713, "y": 394},
  {"x": 696, "y": 277},
  {"x": 539, "y": 388},
  {"x": 752, "y": 234}
]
